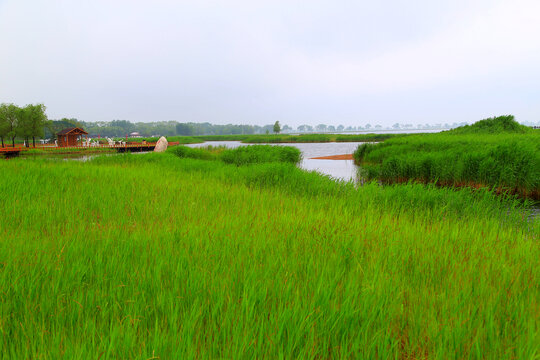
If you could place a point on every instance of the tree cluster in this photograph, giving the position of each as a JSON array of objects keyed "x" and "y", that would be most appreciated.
[
  {"x": 22, "y": 122},
  {"x": 191, "y": 129},
  {"x": 121, "y": 128}
]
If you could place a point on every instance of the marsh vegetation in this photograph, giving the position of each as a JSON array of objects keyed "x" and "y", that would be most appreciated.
[
  {"x": 497, "y": 153},
  {"x": 139, "y": 256}
]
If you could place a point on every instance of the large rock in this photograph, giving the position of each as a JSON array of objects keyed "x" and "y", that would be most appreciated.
[{"x": 161, "y": 145}]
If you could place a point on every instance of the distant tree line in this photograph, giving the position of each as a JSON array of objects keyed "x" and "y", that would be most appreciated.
[
  {"x": 26, "y": 122},
  {"x": 30, "y": 122},
  {"x": 191, "y": 129},
  {"x": 121, "y": 128}
]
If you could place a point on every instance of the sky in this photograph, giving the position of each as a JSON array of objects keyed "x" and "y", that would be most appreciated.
[{"x": 256, "y": 62}]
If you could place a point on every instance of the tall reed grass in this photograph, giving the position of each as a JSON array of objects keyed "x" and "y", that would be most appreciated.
[
  {"x": 507, "y": 161},
  {"x": 147, "y": 256},
  {"x": 243, "y": 155}
]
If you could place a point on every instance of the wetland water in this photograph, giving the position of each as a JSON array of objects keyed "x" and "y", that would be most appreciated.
[{"x": 338, "y": 169}]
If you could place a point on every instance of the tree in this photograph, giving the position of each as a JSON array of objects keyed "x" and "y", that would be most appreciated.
[
  {"x": 277, "y": 128},
  {"x": 340, "y": 128},
  {"x": 23, "y": 123},
  {"x": 31, "y": 121},
  {"x": 37, "y": 120},
  {"x": 125, "y": 125},
  {"x": 184, "y": 129},
  {"x": 52, "y": 127},
  {"x": 8, "y": 122},
  {"x": 320, "y": 127},
  {"x": 4, "y": 125}
]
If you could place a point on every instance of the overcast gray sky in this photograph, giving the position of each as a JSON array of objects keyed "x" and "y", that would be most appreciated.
[{"x": 254, "y": 62}]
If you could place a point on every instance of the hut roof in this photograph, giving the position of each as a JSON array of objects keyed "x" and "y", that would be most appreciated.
[{"x": 72, "y": 130}]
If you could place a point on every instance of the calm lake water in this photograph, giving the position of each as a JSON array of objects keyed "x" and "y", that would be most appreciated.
[{"x": 337, "y": 169}]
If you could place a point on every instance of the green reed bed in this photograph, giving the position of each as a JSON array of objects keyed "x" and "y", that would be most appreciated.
[
  {"x": 505, "y": 160},
  {"x": 204, "y": 153},
  {"x": 309, "y": 138},
  {"x": 157, "y": 256},
  {"x": 242, "y": 155}
]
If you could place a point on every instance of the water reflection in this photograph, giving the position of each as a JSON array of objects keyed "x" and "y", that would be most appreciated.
[{"x": 337, "y": 169}]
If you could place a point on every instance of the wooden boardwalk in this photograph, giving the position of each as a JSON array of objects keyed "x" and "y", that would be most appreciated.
[
  {"x": 132, "y": 147},
  {"x": 11, "y": 150}
]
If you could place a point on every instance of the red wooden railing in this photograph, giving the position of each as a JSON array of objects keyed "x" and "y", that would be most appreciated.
[{"x": 17, "y": 148}]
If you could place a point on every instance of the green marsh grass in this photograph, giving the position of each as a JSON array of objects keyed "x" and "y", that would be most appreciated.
[
  {"x": 312, "y": 138},
  {"x": 259, "y": 154},
  {"x": 243, "y": 155},
  {"x": 206, "y": 153},
  {"x": 494, "y": 125},
  {"x": 475, "y": 156},
  {"x": 153, "y": 255}
]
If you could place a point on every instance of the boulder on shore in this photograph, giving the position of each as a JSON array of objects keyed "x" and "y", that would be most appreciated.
[{"x": 161, "y": 145}]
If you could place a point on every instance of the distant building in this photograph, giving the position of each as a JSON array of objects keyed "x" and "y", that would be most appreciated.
[
  {"x": 71, "y": 136},
  {"x": 135, "y": 135}
]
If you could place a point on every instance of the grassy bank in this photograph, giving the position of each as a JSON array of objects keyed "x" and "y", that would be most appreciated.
[
  {"x": 146, "y": 256},
  {"x": 497, "y": 153}
]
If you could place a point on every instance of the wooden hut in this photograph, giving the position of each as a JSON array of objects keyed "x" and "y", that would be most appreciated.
[{"x": 71, "y": 136}]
